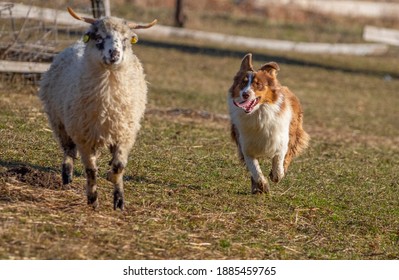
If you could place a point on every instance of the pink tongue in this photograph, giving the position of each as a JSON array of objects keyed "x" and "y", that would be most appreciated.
[{"x": 244, "y": 104}]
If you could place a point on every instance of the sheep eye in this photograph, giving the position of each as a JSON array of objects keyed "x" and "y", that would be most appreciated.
[
  {"x": 99, "y": 42},
  {"x": 98, "y": 39}
]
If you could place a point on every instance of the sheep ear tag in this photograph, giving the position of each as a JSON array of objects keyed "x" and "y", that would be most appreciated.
[
  {"x": 134, "y": 39},
  {"x": 86, "y": 38}
]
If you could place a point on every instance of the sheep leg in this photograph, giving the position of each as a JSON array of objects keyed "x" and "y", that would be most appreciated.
[
  {"x": 115, "y": 175},
  {"x": 70, "y": 154},
  {"x": 89, "y": 161}
]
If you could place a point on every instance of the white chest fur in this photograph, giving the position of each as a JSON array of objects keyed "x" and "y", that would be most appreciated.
[{"x": 264, "y": 132}]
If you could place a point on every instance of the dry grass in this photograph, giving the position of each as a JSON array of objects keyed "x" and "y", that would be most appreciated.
[{"x": 188, "y": 197}]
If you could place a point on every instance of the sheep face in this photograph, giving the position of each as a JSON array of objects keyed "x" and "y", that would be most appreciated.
[
  {"x": 108, "y": 41},
  {"x": 109, "y": 37}
]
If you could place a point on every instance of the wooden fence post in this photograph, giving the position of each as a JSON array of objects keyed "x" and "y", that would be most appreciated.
[
  {"x": 179, "y": 15},
  {"x": 101, "y": 8}
]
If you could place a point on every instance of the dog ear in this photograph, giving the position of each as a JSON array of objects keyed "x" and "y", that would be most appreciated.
[
  {"x": 271, "y": 68},
  {"x": 246, "y": 63}
]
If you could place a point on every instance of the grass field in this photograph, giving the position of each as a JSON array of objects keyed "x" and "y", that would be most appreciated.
[{"x": 187, "y": 195}]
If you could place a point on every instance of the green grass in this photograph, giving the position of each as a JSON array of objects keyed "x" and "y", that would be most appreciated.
[{"x": 187, "y": 195}]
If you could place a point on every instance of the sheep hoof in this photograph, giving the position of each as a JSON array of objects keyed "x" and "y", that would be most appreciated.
[
  {"x": 66, "y": 174},
  {"x": 118, "y": 200},
  {"x": 66, "y": 179},
  {"x": 92, "y": 199}
]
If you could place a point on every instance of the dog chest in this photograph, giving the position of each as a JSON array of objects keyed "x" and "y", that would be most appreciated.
[{"x": 265, "y": 132}]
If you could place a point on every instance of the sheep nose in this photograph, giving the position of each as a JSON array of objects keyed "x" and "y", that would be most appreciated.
[
  {"x": 114, "y": 55},
  {"x": 245, "y": 95}
]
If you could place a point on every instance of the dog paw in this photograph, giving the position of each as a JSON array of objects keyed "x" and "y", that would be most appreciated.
[
  {"x": 276, "y": 176},
  {"x": 259, "y": 187}
]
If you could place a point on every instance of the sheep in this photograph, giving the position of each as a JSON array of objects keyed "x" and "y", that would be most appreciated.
[{"x": 94, "y": 95}]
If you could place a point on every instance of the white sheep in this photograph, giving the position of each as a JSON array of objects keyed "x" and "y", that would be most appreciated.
[{"x": 95, "y": 95}]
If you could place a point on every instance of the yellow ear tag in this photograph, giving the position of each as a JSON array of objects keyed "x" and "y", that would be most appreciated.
[
  {"x": 134, "y": 40},
  {"x": 86, "y": 38}
]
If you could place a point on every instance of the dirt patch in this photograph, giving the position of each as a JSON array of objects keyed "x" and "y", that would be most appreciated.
[{"x": 32, "y": 177}]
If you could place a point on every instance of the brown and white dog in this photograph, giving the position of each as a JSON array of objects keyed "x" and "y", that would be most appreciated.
[{"x": 266, "y": 121}]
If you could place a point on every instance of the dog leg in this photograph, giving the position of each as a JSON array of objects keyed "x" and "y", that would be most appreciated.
[
  {"x": 258, "y": 181},
  {"x": 287, "y": 160},
  {"x": 277, "y": 172}
]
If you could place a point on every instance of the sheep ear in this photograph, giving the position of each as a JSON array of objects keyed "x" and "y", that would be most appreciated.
[
  {"x": 74, "y": 15},
  {"x": 271, "y": 68},
  {"x": 246, "y": 63},
  {"x": 133, "y": 25}
]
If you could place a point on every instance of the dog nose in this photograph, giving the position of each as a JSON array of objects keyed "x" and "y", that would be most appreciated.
[{"x": 245, "y": 95}]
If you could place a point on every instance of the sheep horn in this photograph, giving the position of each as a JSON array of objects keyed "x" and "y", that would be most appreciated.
[
  {"x": 133, "y": 25},
  {"x": 73, "y": 14}
]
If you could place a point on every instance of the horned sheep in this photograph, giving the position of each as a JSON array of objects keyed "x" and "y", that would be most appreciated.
[{"x": 94, "y": 95}]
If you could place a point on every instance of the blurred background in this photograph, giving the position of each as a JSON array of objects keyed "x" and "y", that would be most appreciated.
[{"x": 32, "y": 34}]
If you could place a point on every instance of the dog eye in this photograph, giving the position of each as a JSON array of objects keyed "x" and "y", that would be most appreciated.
[{"x": 259, "y": 85}]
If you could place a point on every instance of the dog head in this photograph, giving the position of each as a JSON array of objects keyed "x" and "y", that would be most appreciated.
[{"x": 252, "y": 88}]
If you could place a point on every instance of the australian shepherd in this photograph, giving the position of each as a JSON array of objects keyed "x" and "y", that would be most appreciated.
[{"x": 266, "y": 121}]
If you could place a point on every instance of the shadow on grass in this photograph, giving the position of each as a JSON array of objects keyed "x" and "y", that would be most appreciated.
[
  {"x": 213, "y": 51},
  {"x": 50, "y": 177},
  {"x": 16, "y": 164},
  {"x": 34, "y": 175}
]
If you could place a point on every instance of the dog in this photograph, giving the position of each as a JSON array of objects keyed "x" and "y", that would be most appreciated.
[{"x": 266, "y": 121}]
